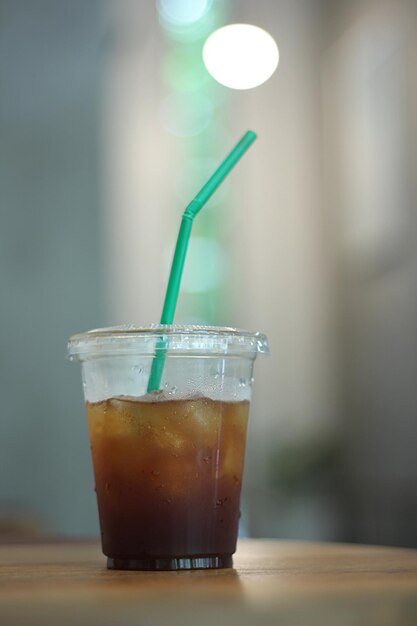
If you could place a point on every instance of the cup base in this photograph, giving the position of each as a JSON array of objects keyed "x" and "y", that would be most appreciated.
[{"x": 195, "y": 562}]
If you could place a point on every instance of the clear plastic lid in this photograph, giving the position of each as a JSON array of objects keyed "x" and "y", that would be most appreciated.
[{"x": 183, "y": 340}]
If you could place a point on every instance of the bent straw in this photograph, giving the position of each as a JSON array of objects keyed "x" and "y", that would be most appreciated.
[{"x": 177, "y": 267}]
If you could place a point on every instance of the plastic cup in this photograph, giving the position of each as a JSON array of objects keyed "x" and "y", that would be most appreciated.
[{"x": 168, "y": 464}]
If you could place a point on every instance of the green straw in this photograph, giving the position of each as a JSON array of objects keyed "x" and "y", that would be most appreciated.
[{"x": 177, "y": 267}]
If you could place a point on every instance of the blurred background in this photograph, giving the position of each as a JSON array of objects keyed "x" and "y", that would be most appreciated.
[{"x": 109, "y": 123}]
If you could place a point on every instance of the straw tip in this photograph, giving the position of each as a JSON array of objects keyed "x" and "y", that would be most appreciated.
[{"x": 251, "y": 134}]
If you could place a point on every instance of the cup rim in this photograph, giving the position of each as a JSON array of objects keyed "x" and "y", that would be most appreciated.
[{"x": 181, "y": 339}]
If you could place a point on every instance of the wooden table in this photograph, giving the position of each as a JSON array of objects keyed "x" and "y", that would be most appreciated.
[{"x": 273, "y": 582}]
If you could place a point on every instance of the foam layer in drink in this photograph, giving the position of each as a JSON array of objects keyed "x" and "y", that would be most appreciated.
[{"x": 168, "y": 474}]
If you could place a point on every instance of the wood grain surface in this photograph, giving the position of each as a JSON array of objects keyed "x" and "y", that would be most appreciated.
[{"x": 272, "y": 582}]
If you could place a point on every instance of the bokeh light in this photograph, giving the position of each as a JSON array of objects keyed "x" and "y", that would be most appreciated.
[
  {"x": 183, "y": 12},
  {"x": 240, "y": 56},
  {"x": 183, "y": 68}
]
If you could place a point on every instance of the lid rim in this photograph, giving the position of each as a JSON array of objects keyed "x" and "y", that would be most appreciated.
[
  {"x": 185, "y": 329},
  {"x": 231, "y": 340}
]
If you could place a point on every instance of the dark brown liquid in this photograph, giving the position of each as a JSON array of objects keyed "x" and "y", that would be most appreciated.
[{"x": 168, "y": 475}]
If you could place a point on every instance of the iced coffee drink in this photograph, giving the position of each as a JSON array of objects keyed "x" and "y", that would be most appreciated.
[
  {"x": 168, "y": 463},
  {"x": 168, "y": 477}
]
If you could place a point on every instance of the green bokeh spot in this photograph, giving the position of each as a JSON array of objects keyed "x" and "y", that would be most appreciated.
[{"x": 183, "y": 69}]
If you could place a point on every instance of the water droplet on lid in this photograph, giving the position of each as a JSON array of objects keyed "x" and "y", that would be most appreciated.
[
  {"x": 219, "y": 502},
  {"x": 107, "y": 486},
  {"x": 242, "y": 382}
]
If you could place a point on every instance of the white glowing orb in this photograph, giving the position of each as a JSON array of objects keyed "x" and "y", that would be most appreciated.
[{"x": 241, "y": 56}]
